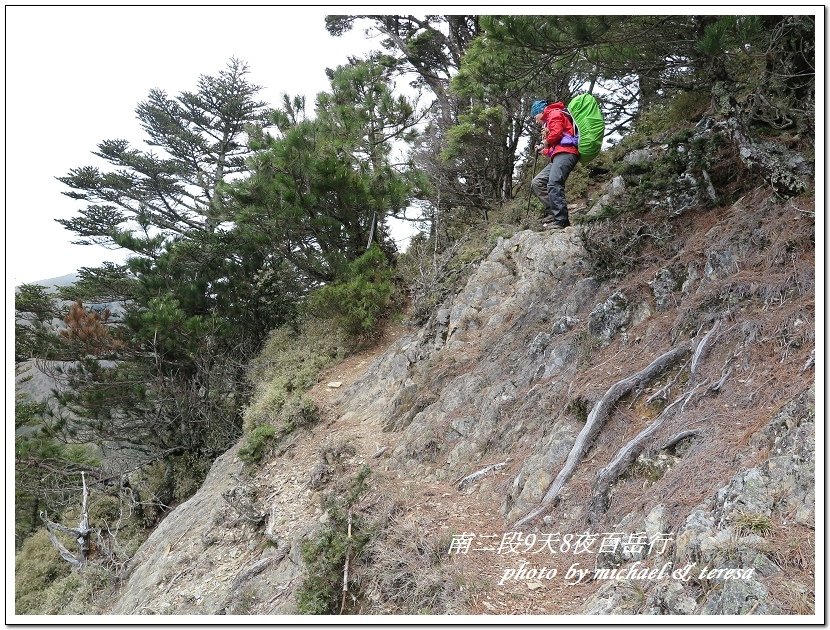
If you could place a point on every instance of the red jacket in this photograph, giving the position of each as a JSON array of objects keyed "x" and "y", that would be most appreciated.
[{"x": 559, "y": 128}]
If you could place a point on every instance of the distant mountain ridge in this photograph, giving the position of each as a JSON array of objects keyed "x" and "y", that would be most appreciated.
[
  {"x": 59, "y": 281},
  {"x": 52, "y": 285}
]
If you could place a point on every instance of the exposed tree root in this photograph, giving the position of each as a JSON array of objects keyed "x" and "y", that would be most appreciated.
[
  {"x": 608, "y": 475},
  {"x": 247, "y": 574},
  {"x": 597, "y": 418},
  {"x": 676, "y": 439},
  {"x": 811, "y": 361},
  {"x": 663, "y": 392},
  {"x": 625, "y": 457},
  {"x": 702, "y": 348},
  {"x": 725, "y": 374}
]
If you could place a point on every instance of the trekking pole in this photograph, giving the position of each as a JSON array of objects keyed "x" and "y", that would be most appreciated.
[{"x": 530, "y": 185}]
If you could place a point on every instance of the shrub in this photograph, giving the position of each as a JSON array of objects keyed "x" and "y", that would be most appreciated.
[
  {"x": 360, "y": 298},
  {"x": 256, "y": 443},
  {"x": 301, "y": 412},
  {"x": 287, "y": 366},
  {"x": 688, "y": 107},
  {"x": 36, "y": 568},
  {"x": 405, "y": 570},
  {"x": 325, "y": 554},
  {"x": 83, "y": 593}
]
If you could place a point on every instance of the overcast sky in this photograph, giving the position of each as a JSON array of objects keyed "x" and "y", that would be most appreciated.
[{"x": 74, "y": 76}]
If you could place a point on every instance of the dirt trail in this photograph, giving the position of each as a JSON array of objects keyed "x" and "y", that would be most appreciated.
[{"x": 449, "y": 512}]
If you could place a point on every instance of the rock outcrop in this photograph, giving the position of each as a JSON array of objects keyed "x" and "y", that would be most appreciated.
[{"x": 504, "y": 375}]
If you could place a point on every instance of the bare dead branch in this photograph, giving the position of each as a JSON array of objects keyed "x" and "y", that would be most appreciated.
[
  {"x": 472, "y": 478},
  {"x": 83, "y": 524},
  {"x": 63, "y": 551},
  {"x": 80, "y": 534},
  {"x": 258, "y": 567},
  {"x": 346, "y": 565}
]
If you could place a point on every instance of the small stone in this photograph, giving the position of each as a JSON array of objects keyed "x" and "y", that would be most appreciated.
[
  {"x": 335, "y": 384},
  {"x": 534, "y": 586},
  {"x": 564, "y": 324}
]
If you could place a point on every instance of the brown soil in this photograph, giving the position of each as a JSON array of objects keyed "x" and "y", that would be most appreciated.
[{"x": 446, "y": 511}]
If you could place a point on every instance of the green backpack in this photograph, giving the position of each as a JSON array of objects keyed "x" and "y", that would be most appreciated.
[{"x": 590, "y": 125}]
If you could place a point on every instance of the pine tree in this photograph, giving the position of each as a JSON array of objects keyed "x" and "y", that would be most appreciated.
[
  {"x": 322, "y": 186},
  {"x": 200, "y": 294},
  {"x": 150, "y": 198}
]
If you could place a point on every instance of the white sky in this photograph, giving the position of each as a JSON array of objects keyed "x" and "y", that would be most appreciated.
[{"x": 74, "y": 76}]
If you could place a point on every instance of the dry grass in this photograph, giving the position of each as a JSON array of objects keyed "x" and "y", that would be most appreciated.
[
  {"x": 792, "y": 547},
  {"x": 406, "y": 570},
  {"x": 794, "y": 598},
  {"x": 747, "y": 523}
]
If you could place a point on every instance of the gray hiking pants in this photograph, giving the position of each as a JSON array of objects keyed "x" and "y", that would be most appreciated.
[{"x": 549, "y": 185}]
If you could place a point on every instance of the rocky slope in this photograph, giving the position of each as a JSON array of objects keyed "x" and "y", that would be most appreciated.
[{"x": 467, "y": 422}]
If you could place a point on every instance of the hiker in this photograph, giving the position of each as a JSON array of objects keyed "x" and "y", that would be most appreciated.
[{"x": 559, "y": 143}]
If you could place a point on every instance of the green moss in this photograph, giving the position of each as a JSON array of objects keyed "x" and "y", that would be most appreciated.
[
  {"x": 579, "y": 408},
  {"x": 646, "y": 469}
]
